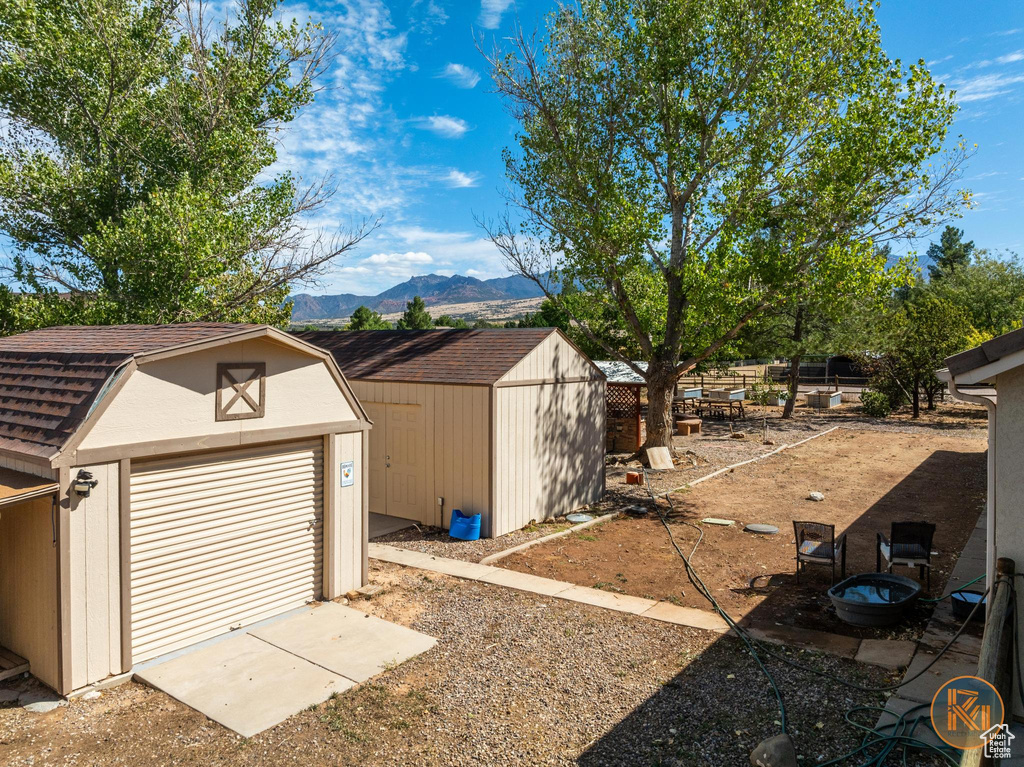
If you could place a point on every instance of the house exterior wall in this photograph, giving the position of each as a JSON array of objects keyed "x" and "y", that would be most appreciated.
[
  {"x": 456, "y": 429},
  {"x": 28, "y": 586},
  {"x": 175, "y": 398},
  {"x": 95, "y": 577},
  {"x": 549, "y": 442}
]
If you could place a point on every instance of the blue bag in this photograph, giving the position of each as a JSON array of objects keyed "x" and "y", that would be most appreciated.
[{"x": 465, "y": 527}]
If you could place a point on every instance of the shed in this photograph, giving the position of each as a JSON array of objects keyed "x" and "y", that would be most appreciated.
[
  {"x": 166, "y": 484},
  {"x": 507, "y": 423},
  {"x": 625, "y": 421}
]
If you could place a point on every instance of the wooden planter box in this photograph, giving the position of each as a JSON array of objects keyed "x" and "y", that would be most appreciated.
[
  {"x": 727, "y": 394},
  {"x": 777, "y": 401},
  {"x": 824, "y": 399},
  {"x": 689, "y": 392}
]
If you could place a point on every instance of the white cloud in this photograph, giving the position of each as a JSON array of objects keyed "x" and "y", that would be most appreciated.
[
  {"x": 460, "y": 75},
  {"x": 1010, "y": 58},
  {"x": 491, "y": 11},
  {"x": 391, "y": 259},
  {"x": 985, "y": 86},
  {"x": 456, "y": 179},
  {"x": 445, "y": 126},
  {"x": 933, "y": 62}
]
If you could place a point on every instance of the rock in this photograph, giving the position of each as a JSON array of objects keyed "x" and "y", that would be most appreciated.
[
  {"x": 9, "y": 696},
  {"x": 777, "y": 751},
  {"x": 370, "y": 590},
  {"x": 816, "y": 496},
  {"x": 91, "y": 695},
  {"x": 41, "y": 706},
  {"x": 738, "y": 435}
]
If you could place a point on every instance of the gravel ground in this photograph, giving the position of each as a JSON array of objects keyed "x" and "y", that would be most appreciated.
[
  {"x": 433, "y": 540},
  {"x": 515, "y": 679}
]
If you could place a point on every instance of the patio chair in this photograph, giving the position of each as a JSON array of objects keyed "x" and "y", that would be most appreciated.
[
  {"x": 816, "y": 544},
  {"x": 909, "y": 545}
]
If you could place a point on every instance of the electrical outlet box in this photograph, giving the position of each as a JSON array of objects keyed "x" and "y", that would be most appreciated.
[{"x": 440, "y": 501}]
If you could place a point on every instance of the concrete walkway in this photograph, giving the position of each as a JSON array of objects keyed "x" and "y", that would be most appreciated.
[
  {"x": 623, "y": 603},
  {"x": 257, "y": 678}
]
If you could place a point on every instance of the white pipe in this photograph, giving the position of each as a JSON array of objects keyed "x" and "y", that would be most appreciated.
[{"x": 990, "y": 523}]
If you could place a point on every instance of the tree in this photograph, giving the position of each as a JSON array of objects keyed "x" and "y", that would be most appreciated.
[
  {"x": 134, "y": 161},
  {"x": 990, "y": 289},
  {"x": 686, "y": 164},
  {"x": 447, "y": 321},
  {"x": 364, "y": 318},
  {"x": 949, "y": 253},
  {"x": 549, "y": 315},
  {"x": 416, "y": 316},
  {"x": 918, "y": 336}
]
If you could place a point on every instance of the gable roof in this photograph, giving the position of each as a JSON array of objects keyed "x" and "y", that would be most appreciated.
[
  {"x": 989, "y": 352},
  {"x": 480, "y": 357},
  {"x": 51, "y": 378}
]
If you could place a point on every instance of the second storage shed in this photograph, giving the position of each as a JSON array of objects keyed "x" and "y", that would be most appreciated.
[{"x": 507, "y": 423}]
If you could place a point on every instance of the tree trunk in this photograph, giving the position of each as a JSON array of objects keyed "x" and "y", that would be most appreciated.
[
  {"x": 660, "y": 388},
  {"x": 930, "y": 392},
  {"x": 793, "y": 380},
  {"x": 915, "y": 397}
]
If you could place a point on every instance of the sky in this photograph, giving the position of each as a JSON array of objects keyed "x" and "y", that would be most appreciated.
[{"x": 409, "y": 130}]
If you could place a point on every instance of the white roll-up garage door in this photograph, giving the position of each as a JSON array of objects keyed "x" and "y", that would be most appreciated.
[{"x": 222, "y": 540}]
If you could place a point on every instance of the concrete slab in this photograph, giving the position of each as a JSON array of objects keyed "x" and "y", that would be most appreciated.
[
  {"x": 918, "y": 720},
  {"x": 244, "y": 683},
  {"x": 525, "y": 582},
  {"x": 660, "y": 458},
  {"x": 621, "y": 602},
  {"x": 687, "y": 616},
  {"x": 382, "y": 524},
  {"x": 469, "y": 570},
  {"x": 807, "y": 639},
  {"x": 892, "y": 654},
  {"x": 923, "y": 688},
  {"x": 400, "y": 556},
  {"x": 344, "y": 641}
]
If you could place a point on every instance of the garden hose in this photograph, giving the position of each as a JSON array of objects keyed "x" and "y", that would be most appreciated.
[
  {"x": 874, "y": 737},
  {"x": 954, "y": 591}
]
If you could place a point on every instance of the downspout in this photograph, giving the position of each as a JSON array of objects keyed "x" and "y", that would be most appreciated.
[{"x": 990, "y": 524}]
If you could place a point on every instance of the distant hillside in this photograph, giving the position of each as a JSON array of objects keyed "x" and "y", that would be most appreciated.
[{"x": 434, "y": 289}]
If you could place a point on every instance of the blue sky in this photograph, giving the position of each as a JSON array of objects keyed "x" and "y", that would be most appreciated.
[{"x": 410, "y": 131}]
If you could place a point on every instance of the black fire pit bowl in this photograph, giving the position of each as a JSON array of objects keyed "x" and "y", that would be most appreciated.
[{"x": 874, "y": 599}]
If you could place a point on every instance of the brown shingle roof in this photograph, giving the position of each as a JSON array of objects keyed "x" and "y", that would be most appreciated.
[
  {"x": 428, "y": 356},
  {"x": 50, "y": 378},
  {"x": 990, "y": 351}
]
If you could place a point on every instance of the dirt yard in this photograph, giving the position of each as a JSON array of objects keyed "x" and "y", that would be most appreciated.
[
  {"x": 869, "y": 479},
  {"x": 515, "y": 679}
]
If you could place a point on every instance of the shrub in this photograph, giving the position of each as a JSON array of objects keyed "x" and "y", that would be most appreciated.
[{"x": 876, "y": 404}]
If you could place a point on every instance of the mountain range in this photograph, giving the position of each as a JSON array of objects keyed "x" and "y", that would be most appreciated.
[{"x": 432, "y": 288}]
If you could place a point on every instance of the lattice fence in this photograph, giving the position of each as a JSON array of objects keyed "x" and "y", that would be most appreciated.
[{"x": 622, "y": 401}]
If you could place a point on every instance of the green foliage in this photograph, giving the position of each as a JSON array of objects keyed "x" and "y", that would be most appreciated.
[
  {"x": 416, "y": 316},
  {"x": 133, "y": 184},
  {"x": 989, "y": 289},
  {"x": 949, "y": 254},
  {"x": 549, "y": 315},
  {"x": 364, "y": 318},
  {"x": 447, "y": 321},
  {"x": 876, "y": 404},
  {"x": 686, "y": 164}
]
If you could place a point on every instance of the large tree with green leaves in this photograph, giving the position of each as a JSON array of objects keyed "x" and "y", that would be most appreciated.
[
  {"x": 949, "y": 253},
  {"x": 365, "y": 318},
  {"x": 688, "y": 163},
  {"x": 415, "y": 316},
  {"x": 137, "y": 137}
]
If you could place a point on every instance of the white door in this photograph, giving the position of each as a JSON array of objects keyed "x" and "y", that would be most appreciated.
[
  {"x": 223, "y": 540},
  {"x": 397, "y": 462}
]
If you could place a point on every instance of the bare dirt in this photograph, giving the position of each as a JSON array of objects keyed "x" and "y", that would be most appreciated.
[{"x": 869, "y": 479}]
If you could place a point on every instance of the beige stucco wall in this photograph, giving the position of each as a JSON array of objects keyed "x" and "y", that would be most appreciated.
[
  {"x": 175, "y": 398},
  {"x": 95, "y": 578},
  {"x": 456, "y": 444},
  {"x": 550, "y": 451},
  {"x": 28, "y": 586}
]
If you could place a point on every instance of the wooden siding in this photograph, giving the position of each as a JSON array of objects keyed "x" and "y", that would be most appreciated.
[
  {"x": 348, "y": 525},
  {"x": 96, "y": 578},
  {"x": 554, "y": 357},
  {"x": 550, "y": 451},
  {"x": 456, "y": 442},
  {"x": 28, "y": 586}
]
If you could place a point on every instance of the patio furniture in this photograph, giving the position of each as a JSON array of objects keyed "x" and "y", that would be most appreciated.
[
  {"x": 720, "y": 409},
  {"x": 909, "y": 545},
  {"x": 687, "y": 425},
  {"x": 816, "y": 544}
]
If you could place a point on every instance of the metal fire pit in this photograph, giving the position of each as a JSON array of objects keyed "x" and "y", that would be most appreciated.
[{"x": 874, "y": 599}]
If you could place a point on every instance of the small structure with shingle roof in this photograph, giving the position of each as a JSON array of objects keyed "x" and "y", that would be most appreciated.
[
  {"x": 506, "y": 423},
  {"x": 163, "y": 484}
]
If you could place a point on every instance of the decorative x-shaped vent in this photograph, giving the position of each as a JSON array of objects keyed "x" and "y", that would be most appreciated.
[{"x": 241, "y": 388}]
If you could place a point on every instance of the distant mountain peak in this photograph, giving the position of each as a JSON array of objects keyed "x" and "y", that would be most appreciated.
[{"x": 432, "y": 288}]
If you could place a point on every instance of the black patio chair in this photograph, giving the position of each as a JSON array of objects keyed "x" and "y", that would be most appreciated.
[
  {"x": 909, "y": 545},
  {"x": 816, "y": 544}
]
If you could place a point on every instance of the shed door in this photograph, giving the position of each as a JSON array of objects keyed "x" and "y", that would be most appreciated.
[
  {"x": 223, "y": 540},
  {"x": 397, "y": 462}
]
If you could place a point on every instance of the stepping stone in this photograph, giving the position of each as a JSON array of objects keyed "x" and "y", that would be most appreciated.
[
  {"x": 807, "y": 639},
  {"x": 755, "y": 527},
  {"x": 923, "y": 688},
  {"x": 717, "y": 521},
  {"x": 892, "y": 654},
  {"x": 896, "y": 707},
  {"x": 660, "y": 458}
]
